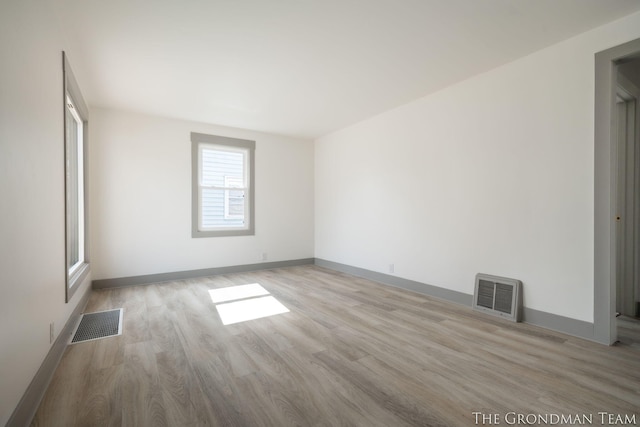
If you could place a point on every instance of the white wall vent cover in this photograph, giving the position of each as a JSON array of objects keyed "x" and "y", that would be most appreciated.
[
  {"x": 499, "y": 296},
  {"x": 101, "y": 324}
]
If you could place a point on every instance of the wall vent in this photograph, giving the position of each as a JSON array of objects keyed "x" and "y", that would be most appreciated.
[{"x": 499, "y": 296}]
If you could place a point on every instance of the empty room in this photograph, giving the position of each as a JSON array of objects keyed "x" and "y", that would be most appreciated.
[{"x": 319, "y": 213}]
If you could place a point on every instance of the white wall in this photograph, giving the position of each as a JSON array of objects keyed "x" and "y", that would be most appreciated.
[
  {"x": 141, "y": 198},
  {"x": 492, "y": 175},
  {"x": 32, "y": 265}
]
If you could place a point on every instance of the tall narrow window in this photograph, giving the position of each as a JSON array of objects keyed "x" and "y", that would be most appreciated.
[
  {"x": 222, "y": 186},
  {"x": 75, "y": 137},
  {"x": 75, "y": 187}
]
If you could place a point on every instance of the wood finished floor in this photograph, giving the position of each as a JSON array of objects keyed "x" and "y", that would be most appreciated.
[{"x": 349, "y": 352}]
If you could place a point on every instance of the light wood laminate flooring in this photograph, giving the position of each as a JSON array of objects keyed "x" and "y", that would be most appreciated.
[{"x": 350, "y": 352}]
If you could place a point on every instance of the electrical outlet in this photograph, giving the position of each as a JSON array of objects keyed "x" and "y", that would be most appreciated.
[
  {"x": 52, "y": 331},
  {"x": 264, "y": 256},
  {"x": 392, "y": 268}
]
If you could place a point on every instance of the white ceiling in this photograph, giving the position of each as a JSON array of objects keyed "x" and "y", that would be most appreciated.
[{"x": 302, "y": 67}]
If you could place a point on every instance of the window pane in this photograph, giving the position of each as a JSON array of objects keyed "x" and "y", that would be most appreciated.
[
  {"x": 218, "y": 164},
  {"x": 215, "y": 209},
  {"x": 234, "y": 204},
  {"x": 233, "y": 199},
  {"x": 222, "y": 207},
  {"x": 73, "y": 249}
]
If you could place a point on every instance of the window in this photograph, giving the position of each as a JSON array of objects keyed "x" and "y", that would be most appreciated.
[
  {"x": 75, "y": 138},
  {"x": 222, "y": 173},
  {"x": 75, "y": 187}
]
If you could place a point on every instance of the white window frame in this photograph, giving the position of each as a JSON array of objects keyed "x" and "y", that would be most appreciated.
[
  {"x": 247, "y": 148},
  {"x": 75, "y": 173},
  {"x": 76, "y": 206},
  {"x": 226, "y": 188}
]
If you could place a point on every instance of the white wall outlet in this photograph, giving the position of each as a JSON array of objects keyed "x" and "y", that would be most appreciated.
[
  {"x": 264, "y": 256},
  {"x": 392, "y": 268},
  {"x": 52, "y": 330}
]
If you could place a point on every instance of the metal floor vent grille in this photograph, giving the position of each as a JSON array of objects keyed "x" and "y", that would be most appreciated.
[
  {"x": 499, "y": 296},
  {"x": 101, "y": 324}
]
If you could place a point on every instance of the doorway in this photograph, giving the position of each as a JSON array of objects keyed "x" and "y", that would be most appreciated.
[
  {"x": 628, "y": 197},
  {"x": 616, "y": 189},
  {"x": 626, "y": 194}
]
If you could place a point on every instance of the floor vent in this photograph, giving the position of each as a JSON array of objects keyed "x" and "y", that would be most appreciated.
[
  {"x": 498, "y": 296},
  {"x": 98, "y": 325}
]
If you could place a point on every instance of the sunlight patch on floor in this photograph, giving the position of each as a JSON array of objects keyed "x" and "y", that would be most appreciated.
[
  {"x": 249, "y": 309},
  {"x": 233, "y": 293},
  {"x": 240, "y": 303}
]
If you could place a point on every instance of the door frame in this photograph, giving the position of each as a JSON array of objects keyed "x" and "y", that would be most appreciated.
[
  {"x": 627, "y": 199},
  {"x": 605, "y": 142}
]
